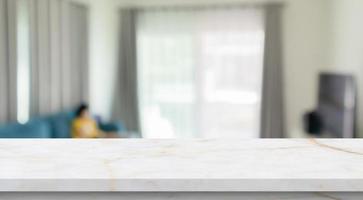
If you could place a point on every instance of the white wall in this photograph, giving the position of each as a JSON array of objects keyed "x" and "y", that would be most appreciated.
[
  {"x": 103, "y": 56},
  {"x": 346, "y": 49},
  {"x": 305, "y": 45},
  {"x": 103, "y": 59}
]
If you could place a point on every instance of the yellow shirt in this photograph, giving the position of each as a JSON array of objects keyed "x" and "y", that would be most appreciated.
[{"x": 84, "y": 128}]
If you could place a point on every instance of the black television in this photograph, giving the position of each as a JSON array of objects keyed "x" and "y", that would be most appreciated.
[{"x": 337, "y": 105}]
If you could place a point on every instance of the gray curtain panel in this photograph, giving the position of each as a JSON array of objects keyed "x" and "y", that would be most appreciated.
[
  {"x": 8, "y": 62},
  {"x": 272, "y": 110},
  {"x": 126, "y": 100},
  {"x": 41, "y": 68},
  {"x": 3, "y": 63},
  {"x": 59, "y": 55},
  {"x": 79, "y": 53}
]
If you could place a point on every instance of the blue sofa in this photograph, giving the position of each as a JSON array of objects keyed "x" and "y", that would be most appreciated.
[{"x": 52, "y": 126}]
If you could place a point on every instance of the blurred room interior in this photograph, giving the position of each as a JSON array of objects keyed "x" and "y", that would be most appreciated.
[{"x": 182, "y": 68}]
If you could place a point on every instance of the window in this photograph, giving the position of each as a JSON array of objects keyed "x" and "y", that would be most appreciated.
[{"x": 200, "y": 72}]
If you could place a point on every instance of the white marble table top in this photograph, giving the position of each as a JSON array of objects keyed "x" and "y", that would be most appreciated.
[{"x": 182, "y": 165}]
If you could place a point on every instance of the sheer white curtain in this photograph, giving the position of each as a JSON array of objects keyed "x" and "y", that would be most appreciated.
[{"x": 200, "y": 72}]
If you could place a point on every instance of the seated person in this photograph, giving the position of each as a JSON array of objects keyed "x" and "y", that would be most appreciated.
[{"x": 84, "y": 126}]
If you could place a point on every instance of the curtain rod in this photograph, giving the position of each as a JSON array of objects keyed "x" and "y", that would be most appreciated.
[{"x": 202, "y": 6}]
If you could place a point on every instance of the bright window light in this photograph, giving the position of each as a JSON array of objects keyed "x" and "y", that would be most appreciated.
[
  {"x": 23, "y": 71},
  {"x": 200, "y": 72}
]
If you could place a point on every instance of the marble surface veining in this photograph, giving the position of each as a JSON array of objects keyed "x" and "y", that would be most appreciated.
[{"x": 275, "y": 165}]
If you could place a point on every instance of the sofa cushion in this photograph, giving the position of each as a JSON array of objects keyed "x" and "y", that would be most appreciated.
[
  {"x": 32, "y": 129},
  {"x": 116, "y": 127},
  {"x": 61, "y": 124}
]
